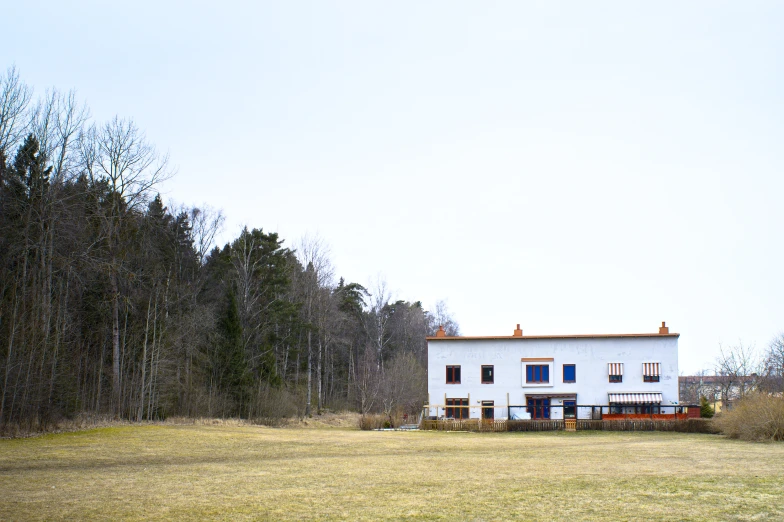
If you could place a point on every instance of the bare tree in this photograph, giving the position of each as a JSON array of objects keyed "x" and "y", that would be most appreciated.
[
  {"x": 377, "y": 318},
  {"x": 368, "y": 381},
  {"x": 119, "y": 156},
  {"x": 737, "y": 371},
  {"x": 14, "y": 99},
  {"x": 57, "y": 120},
  {"x": 774, "y": 366},
  {"x": 206, "y": 223},
  {"x": 313, "y": 254},
  {"x": 440, "y": 316},
  {"x": 403, "y": 385}
]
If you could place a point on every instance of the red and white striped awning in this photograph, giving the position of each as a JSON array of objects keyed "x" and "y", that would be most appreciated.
[
  {"x": 615, "y": 368},
  {"x": 651, "y": 369},
  {"x": 635, "y": 398}
]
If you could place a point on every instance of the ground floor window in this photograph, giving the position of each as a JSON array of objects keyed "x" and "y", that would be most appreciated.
[
  {"x": 635, "y": 409},
  {"x": 457, "y": 408},
  {"x": 539, "y": 408},
  {"x": 488, "y": 412}
]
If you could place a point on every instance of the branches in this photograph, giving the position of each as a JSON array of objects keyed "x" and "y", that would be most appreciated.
[
  {"x": 738, "y": 370},
  {"x": 14, "y": 98},
  {"x": 118, "y": 154}
]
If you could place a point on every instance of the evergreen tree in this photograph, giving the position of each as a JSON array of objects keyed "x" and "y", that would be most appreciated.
[
  {"x": 706, "y": 410},
  {"x": 229, "y": 363}
]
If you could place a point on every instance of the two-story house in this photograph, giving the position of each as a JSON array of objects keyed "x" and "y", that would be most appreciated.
[{"x": 551, "y": 376}]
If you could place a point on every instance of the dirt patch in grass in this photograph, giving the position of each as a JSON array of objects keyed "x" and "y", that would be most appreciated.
[{"x": 250, "y": 472}]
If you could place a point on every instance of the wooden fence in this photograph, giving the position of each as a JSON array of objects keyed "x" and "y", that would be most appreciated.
[
  {"x": 464, "y": 425},
  {"x": 477, "y": 425}
]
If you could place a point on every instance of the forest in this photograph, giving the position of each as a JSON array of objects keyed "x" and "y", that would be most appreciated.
[{"x": 114, "y": 303}]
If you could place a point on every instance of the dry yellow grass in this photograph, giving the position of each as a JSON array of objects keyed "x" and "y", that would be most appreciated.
[{"x": 250, "y": 472}]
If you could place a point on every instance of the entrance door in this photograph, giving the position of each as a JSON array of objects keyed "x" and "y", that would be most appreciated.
[
  {"x": 569, "y": 409},
  {"x": 488, "y": 412},
  {"x": 539, "y": 408}
]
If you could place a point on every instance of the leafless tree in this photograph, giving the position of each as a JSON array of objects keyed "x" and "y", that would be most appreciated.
[
  {"x": 57, "y": 121},
  {"x": 313, "y": 254},
  {"x": 403, "y": 385},
  {"x": 774, "y": 366},
  {"x": 206, "y": 223},
  {"x": 14, "y": 99},
  {"x": 440, "y": 316},
  {"x": 368, "y": 381},
  {"x": 737, "y": 371},
  {"x": 378, "y": 317},
  {"x": 118, "y": 155}
]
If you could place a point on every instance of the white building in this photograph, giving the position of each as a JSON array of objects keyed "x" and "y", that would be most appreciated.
[{"x": 551, "y": 376}]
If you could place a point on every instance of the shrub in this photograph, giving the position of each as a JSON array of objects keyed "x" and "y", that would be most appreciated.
[
  {"x": 372, "y": 422},
  {"x": 706, "y": 410},
  {"x": 756, "y": 417}
]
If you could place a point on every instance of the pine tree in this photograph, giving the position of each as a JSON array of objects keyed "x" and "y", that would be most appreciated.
[
  {"x": 230, "y": 365},
  {"x": 706, "y": 410}
]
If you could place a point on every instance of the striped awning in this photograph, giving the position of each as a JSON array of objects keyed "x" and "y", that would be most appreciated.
[
  {"x": 651, "y": 369},
  {"x": 635, "y": 398},
  {"x": 615, "y": 368}
]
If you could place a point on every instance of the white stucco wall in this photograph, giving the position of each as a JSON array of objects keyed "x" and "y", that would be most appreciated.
[{"x": 589, "y": 355}]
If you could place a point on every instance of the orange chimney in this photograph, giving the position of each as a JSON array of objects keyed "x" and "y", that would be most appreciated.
[
  {"x": 441, "y": 332},
  {"x": 663, "y": 329},
  {"x": 518, "y": 332}
]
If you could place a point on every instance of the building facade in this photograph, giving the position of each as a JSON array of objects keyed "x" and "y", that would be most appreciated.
[{"x": 553, "y": 376}]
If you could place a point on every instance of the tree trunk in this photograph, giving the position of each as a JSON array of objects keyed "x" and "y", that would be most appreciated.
[
  {"x": 115, "y": 345},
  {"x": 310, "y": 377},
  {"x": 140, "y": 412},
  {"x": 319, "y": 379}
]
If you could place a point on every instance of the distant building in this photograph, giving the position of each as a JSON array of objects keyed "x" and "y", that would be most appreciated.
[
  {"x": 548, "y": 376},
  {"x": 721, "y": 391}
]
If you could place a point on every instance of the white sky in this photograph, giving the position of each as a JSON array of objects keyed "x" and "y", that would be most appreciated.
[{"x": 574, "y": 167}]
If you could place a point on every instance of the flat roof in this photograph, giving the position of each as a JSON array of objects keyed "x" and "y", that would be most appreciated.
[{"x": 533, "y": 337}]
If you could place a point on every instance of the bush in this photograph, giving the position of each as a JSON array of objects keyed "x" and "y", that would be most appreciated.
[
  {"x": 372, "y": 422},
  {"x": 756, "y": 417},
  {"x": 706, "y": 410}
]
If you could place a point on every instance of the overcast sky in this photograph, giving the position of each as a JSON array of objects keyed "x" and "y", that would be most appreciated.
[{"x": 577, "y": 167}]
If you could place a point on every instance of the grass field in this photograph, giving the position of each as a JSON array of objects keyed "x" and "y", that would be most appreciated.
[{"x": 246, "y": 472}]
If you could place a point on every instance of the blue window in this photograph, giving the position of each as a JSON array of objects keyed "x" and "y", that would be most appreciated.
[
  {"x": 569, "y": 373},
  {"x": 539, "y": 408},
  {"x": 537, "y": 373}
]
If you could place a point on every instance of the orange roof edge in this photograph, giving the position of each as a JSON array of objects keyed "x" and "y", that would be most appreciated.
[{"x": 566, "y": 336}]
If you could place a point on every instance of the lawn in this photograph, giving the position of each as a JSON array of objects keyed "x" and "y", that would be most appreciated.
[{"x": 246, "y": 472}]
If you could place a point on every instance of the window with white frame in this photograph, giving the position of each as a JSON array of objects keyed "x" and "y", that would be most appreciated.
[{"x": 538, "y": 372}]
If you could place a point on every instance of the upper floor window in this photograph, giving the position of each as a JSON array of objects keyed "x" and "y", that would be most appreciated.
[
  {"x": 651, "y": 372},
  {"x": 488, "y": 374},
  {"x": 537, "y": 373},
  {"x": 615, "y": 371},
  {"x": 569, "y": 373},
  {"x": 453, "y": 374}
]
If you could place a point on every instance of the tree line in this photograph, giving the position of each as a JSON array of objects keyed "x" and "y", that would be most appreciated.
[
  {"x": 739, "y": 370},
  {"x": 113, "y": 303}
]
